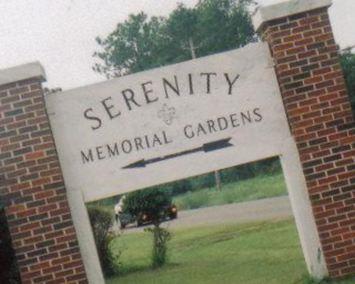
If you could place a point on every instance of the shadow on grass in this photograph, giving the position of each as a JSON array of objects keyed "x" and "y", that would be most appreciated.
[
  {"x": 203, "y": 241},
  {"x": 126, "y": 270}
]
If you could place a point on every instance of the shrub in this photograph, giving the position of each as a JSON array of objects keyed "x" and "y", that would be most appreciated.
[
  {"x": 160, "y": 238},
  {"x": 101, "y": 222},
  {"x": 194, "y": 200}
]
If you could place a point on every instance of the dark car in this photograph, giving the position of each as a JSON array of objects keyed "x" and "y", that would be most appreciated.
[{"x": 168, "y": 213}]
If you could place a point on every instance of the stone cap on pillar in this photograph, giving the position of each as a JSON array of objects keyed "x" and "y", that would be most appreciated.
[
  {"x": 288, "y": 8},
  {"x": 33, "y": 70}
]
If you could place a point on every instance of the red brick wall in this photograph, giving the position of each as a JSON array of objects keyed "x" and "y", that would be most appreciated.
[
  {"x": 319, "y": 113},
  {"x": 31, "y": 185}
]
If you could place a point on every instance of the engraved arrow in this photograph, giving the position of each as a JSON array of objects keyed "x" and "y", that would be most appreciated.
[{"x": 208, "y": 147}]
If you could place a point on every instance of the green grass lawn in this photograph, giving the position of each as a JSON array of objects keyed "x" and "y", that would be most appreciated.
[
  {"x": 251, "y": 189},
  {"x": 259, "y": 253}
]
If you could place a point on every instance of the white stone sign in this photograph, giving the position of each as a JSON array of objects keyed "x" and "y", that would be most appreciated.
[{"x": 169, "y": 123}]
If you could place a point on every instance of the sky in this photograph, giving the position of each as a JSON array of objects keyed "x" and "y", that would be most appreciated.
[{"x": 61, "y": 34}]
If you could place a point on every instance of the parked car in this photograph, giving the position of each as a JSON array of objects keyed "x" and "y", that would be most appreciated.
[{"x": 168, "y": 213}]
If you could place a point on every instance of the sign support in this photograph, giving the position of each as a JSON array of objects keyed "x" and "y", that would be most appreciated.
[
  {"x": 302, "y": 210},
  {"x": 85, "y": 237}
]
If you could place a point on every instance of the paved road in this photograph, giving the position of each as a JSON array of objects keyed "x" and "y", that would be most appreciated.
[{"x": 276, "y": 208}]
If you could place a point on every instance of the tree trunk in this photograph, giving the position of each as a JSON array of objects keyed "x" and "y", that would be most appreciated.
[
  {"x": 160, "y": 238},
  {"x": 192, "y": 48}
]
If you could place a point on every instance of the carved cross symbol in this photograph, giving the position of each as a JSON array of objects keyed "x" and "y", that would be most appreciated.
[{"x": 167, "y": 114}]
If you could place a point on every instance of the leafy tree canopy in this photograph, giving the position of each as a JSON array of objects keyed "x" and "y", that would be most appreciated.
[
  {"x": 134, "y": 45},
  {"x": 142, "y": 43},
  {"x": 150, "y": 201}
]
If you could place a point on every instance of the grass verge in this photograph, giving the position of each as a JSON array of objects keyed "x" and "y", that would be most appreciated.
[
  {"x": 256, "y": 253},
  {"x": 251, "y": 189}
]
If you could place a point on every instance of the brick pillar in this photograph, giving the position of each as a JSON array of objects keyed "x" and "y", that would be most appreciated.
[
  {"x": 31, "y": 183},
  {"x": 318, "y": 108}
]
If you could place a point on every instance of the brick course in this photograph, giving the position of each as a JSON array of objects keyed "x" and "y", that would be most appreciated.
[
  {"x": 319, "y": 113},
  {"x": 32, "y": 188}
]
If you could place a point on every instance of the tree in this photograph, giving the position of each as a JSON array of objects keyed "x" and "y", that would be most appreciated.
[
  {"x": 134, "y": 46},
  {"x": 348, "y": 65},
  {"x": 224, "y": 25},
  {"x": 152, "y": 201},
  {"x": 141, "y": 43},
  {"x": 182, "y": 29}
]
